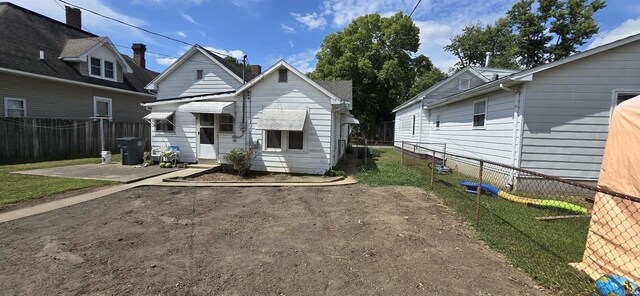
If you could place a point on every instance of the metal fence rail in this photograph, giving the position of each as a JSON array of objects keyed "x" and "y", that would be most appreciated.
[{"x": 541, "y": 222}]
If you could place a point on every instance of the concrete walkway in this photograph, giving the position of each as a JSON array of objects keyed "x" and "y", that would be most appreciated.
[
  {"x": 107, "y": 172},
  {"x": 154, "y": 181}
]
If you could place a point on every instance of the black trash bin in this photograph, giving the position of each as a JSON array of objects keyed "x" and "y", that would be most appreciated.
[{"x": 131, "y": 150}]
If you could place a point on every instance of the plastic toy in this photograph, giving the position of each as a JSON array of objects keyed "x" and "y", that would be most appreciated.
[
  {"x": 613, "y": 285},
  {"x": 471, "y": 187}
]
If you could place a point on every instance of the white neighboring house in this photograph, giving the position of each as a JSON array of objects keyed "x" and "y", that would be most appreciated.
[
  {"x": 204, "y": 107},
  {"x": 551, "y": 119}
]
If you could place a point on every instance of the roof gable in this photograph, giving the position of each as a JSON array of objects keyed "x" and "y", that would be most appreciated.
[
  {"x": 233, "y": 70},
  {"x": 79, "y": 49},
  {"x": 282, "y": 64}
]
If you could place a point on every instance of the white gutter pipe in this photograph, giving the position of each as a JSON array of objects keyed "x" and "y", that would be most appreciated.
[{"x": 515, "y": 131}]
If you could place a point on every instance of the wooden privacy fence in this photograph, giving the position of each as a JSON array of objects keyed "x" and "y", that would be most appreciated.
[{"x": 30, "y": 139}]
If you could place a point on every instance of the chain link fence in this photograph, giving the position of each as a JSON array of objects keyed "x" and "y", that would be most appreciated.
[{"x": 562, "y": 233}]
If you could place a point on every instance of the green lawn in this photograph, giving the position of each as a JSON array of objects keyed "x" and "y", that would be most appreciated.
[
  {"x": 543, "y": 249},
  {"x": 16, "y": 188}
]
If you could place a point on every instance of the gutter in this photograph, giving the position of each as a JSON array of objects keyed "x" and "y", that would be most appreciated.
[
  {"x": 503, "y": 83},
  {"x": 54, "y": 79}
]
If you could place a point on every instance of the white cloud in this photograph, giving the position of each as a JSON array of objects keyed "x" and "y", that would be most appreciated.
[
  {"x": 165, "y": 61},
  {"x": 182, "y": 34},
  {"x": 291, "y": 43},
  {"x": 311, "y": 20},
  {"x": 188, "y": 18},
  {"x": 287, "y": 29},
  {"x": 304, "y": 61},
  {"x": 236, "y": 53},
  {"x": 628, "y": 28}
]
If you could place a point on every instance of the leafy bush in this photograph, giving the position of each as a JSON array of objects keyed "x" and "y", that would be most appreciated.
[
  {"x": 335, "y": 173},
  {"x": 241, "y": 160},
  {"x": 374, "y": 152}
]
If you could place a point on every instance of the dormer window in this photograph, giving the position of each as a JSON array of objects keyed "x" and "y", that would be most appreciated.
[{"x": 102, "y": 68}]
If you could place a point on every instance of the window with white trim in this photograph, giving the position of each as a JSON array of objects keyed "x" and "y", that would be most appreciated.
[
  {"x": 164, "y": 125},
  {"x": 621, "y": 97},
  {"x": 276, "y": 140},
  {"x": 15, "y": 107},
  {"x": 464, "y": 83},
  {"x": 102, "y": 107},
  {"x": 226, "y": 123},
  {"x": 479, "y": 113},
  {"x": 199, "y": 74},
  {"x": 282, "y": 75},
  {"x": 102, "y": 68}
]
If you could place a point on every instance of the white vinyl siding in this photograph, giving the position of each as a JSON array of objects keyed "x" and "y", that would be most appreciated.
[
  {"x": 494, "y": 142},
  {"x": 407, "y": 124},
  {"x": 567, "y": 110},
  {"x": 183, "y": 80},
  {"x": 15, "y": 107},
  {"x": 183, "y": 134}
]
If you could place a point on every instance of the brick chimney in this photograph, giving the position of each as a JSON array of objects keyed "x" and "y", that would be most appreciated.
[
  {"x": 138, "y": 54},
  {"x": 74, "y": 17},
  {"x": 255, "y": 70}
]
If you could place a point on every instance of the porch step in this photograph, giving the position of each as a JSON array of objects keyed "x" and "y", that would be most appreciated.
[{"x": 208, "y": 161}]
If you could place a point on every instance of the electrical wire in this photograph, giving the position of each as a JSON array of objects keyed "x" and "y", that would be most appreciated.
[{"x": 414, "y": 8}]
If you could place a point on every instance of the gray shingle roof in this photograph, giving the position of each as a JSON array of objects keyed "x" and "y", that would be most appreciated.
[
  {"x": 232, "y": 67},
  {"x": 343, "y": 89},
  {"x": 76, "y": 47},
  {"x": 23, "y": 33}
]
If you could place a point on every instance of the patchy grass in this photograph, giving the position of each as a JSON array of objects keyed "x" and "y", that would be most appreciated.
[
  {"x": 543, "y": 249},
  {"x": 16, "y": 188}
]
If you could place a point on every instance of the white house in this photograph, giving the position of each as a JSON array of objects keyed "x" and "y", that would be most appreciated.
[
  {"x": 551, "y": 119},
  {"x": 205, "y": 107}
]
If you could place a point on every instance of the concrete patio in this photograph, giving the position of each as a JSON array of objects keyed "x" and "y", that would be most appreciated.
[{"x": 107, "y": 172}]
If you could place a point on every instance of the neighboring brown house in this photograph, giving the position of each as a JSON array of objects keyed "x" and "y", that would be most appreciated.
[{"x": 49, "y": 69}]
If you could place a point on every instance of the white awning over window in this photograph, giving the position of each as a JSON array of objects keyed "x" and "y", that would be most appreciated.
[
  {"x": 282, "y": 120},
  {"x": 209, "y": 107},
  {"x": 159, "y": 115},
  {"x": 348, "y": 119}
]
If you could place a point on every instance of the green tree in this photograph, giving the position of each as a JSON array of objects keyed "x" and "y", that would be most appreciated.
[
  {"x": 375, "y": 53},
  {"x": 532, "y": 33}
]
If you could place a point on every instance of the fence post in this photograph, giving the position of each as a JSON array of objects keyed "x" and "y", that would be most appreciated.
[
  {"x": 414, "y": 154},
  {"x": 402, "y": 153},
  {"x": 479, "y": 193},
  {"x": 366, "y": 151},
  {"x": 433, "y": 167}
]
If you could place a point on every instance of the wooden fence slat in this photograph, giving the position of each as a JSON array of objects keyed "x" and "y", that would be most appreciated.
[{"x": 34, "y": 139}]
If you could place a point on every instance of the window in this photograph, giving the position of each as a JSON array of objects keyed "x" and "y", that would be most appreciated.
[
  {"x": 623, "y": 97},
  {"x": 199, "y": 74},
  {"x": 109, "y": 69},
  {"x": 226, "y": 123},
  {"x": 102, "y": 107},
  {"x": 284, "y": 140},
  {"x": 464, "y": 83},
  {"x": 413, "y": 128},
  {"x": 96, "y": 67},
  {"x": 274, "y": 139},
  {"x": 15, "y": 107},
  {"x": 164, "y": 125},
  {"x": 102, "y": 68},
  {"x": 282, "y": 75},
  {"x": 438, "y": 121},
  {"x": 479, "y": 113},
  {"x": 296, "y": 140}
]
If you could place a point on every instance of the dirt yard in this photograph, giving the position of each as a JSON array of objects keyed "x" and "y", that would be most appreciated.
[{"x": 353, "y": 240}]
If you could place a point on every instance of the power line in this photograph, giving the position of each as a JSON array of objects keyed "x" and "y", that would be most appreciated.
[
  {"x": 127, "y": 24},
  {"x": 414, "y": 8}
]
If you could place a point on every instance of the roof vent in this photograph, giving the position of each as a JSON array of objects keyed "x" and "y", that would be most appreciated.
[
  {"x": 42, "y": 55},
  {"x": 487, "y": 61},
  {"x": 496, "y": 76}
]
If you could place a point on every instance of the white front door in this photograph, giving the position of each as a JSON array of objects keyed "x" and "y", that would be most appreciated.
[{"x": 208, "y": 136}]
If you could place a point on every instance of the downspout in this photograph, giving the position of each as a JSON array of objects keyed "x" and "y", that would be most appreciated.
[
  {"x": 243, "y": 126},
  {"x": 516, "y": 118}
]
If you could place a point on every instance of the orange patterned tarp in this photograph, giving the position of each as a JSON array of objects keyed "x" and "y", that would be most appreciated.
[{"x": 613, "y": 242}]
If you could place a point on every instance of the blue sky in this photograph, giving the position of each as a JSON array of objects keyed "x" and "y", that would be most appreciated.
[{"x": 268, "y": 30}]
